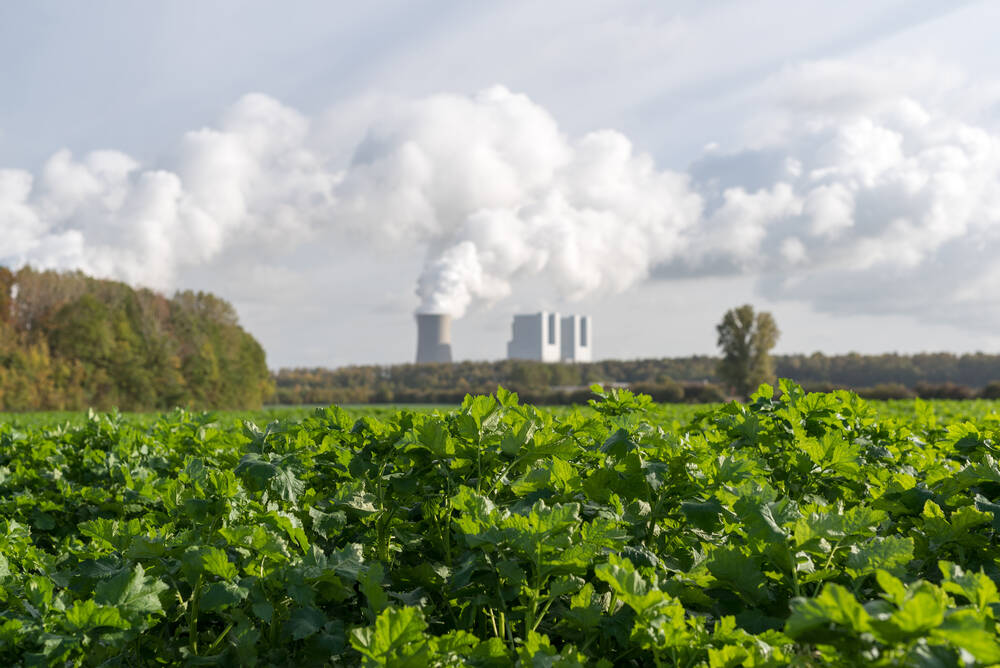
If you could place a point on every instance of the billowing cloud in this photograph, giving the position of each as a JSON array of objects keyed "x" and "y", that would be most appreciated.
[
  {"x": 892, "y": 202},
  {"x": 487, "y": 185},
  {"x": 857, "y": 189},
  {"x": 253, "y": 177},
  {"x": 498, "y": 192}
]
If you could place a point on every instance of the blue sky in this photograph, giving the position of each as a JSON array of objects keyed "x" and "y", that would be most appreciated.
[{"x": 833, "y": 163}]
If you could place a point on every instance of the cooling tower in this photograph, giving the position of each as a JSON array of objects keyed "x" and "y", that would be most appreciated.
[{"x": 433, "y": 337}]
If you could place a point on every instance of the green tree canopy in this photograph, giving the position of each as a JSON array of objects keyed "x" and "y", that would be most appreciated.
[
  {"x": 746, "y": 339},
  {"x": 69, "y": 341}
]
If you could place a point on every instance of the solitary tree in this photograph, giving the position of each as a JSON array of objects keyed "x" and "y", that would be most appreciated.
[{"x": 746, "y": 340}]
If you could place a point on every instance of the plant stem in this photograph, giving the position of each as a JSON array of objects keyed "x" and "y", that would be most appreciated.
[
  {"x": 503, "y": 608},
  {"x": 543, "y": 613},
  {"x": 493, "y": 621},
  {"x": 193, "y": 615},
  {"x": 220, "y": 637}
]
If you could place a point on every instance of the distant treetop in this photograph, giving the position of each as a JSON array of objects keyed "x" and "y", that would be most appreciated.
[{"x": 69, "y": 341}]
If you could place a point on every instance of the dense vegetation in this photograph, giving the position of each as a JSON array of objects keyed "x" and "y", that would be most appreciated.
[
  {"x": 810, "y": 529},
  {"x": 68, "y": 341},
  {"x": 690, "y": 379},
  {"x": 536, "y": 382}
]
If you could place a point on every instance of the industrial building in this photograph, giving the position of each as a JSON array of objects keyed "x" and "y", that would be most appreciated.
[
  {"x": 433, "y": 338},
  {"x": 575, "y": 334},
  {"x": 545, "y": 337}
]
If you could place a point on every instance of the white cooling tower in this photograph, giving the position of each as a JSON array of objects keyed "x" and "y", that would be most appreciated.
[{"x": 433, "y": 337}]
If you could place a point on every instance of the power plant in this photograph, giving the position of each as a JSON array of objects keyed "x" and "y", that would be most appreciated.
[
  {"x": 542, "y": 337},
  {"x": 433, "y": 338},
  {"x": 576, "y": 335},
  {"x": 545, "y": 337},
  {"x": 535, "y": 336}
]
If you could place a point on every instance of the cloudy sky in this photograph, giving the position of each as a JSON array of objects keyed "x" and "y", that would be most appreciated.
[{"x": 332, "y": 170}]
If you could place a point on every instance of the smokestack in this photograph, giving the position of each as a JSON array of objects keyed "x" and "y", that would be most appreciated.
[{"x": 433, "y": 338}]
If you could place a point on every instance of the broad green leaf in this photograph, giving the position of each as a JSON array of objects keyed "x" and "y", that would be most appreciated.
[
  {"x": 132, "y": 593},
  {"x": 304, "y": 622},
  {"x": 327, "y": 525},
  {"x": 971, "y": 631},
  {"x": 978, "y": 588},
  {"x": 582, "y": 611},
  {"x": 537, "y": 650},
  {"x": 663, "y": 627},
  {"x": 260, "y": 539},
  {"x": 397, "y": 637},
  {"x": 922, "y": 610},
  {"x": 143, "y": 548},
  {"x": 220, "y": 595},
  {"x": 512, "y": 442},
  {"x": 833, "y": 454},
  {"x": 766, "y": 521},
  {"x": 347, "y": 562},
  {"x": 216, "y": 562},
  {"x": 967, "y": 517},
  {"x": 292, "y": 527},
  {"x": 88, "y": 615},
  {"x": 111, "y": 533},
  {"x": 706, "y": 515},
  {"x": 740, "y": 572},
  {"x": 434, "y": 434},
  {"x": 262, "y": 475},
  {"x": 834, "y": 605},
  {"x": 201, "y": 559},
  {"x": 370, "y": 581},
  {"x": 10, "y": 630},
  {"x": 629, "y": 586},
  {"x": 895, "y": 590},
  {"x": 264, "y": 610},
  {"x": 965, "y": 437},
  {"x": 890, "y": 553},
  {"x": 534, "y": 480},
  {"x": 618, "y": 444},
  {"x": 730, "y": 656}
]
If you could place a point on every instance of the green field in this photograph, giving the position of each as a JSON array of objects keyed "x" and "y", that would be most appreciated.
[
  {"x": 809, "y": 530},
  {"x": 43, "y": 419}
]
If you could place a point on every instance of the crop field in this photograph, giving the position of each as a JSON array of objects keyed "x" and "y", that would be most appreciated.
[{"x": 795, "y": 529}]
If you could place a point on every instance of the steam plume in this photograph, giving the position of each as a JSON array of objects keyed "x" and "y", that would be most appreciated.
[
  {"x": 853, "y": 177},
  {"x": 499, "y": 192}
]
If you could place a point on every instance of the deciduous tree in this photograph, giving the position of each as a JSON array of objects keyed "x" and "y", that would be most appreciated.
[{"x": 746, "y": 339}]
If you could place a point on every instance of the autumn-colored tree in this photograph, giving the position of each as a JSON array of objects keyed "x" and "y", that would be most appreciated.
[{"x": 69, "y": 341}]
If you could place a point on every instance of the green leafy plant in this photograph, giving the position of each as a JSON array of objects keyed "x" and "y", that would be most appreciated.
[{"x": 795, "y": 529}]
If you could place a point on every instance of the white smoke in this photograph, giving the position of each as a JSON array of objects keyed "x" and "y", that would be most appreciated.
[
  {"x": 498, "y": 192},
  {"x": 856, "y": 189},
  {"x": 488, "y": 184}
]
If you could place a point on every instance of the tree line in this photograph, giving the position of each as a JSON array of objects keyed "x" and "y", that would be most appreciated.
[
  {"x": 535, "y": 382},
  {"x": 69, "y": 341},
  {"x": 680, "y": 379}
]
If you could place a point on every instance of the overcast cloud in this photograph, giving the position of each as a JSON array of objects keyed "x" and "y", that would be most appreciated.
[{"x": 652, "y": 168}]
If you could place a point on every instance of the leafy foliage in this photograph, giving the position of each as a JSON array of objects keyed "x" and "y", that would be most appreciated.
[
  {"x": 68, "y": 341},
  {"x": 670, "y": 380},
  {"x": 797, "y": 529},
  {"x": 746, "y": 339}
]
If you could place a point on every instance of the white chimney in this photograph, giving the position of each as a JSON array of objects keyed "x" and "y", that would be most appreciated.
[{"x": 433, "y": 338}]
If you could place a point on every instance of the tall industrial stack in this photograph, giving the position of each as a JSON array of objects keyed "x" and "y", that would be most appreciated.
[{"x": 433, "y": 338}]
